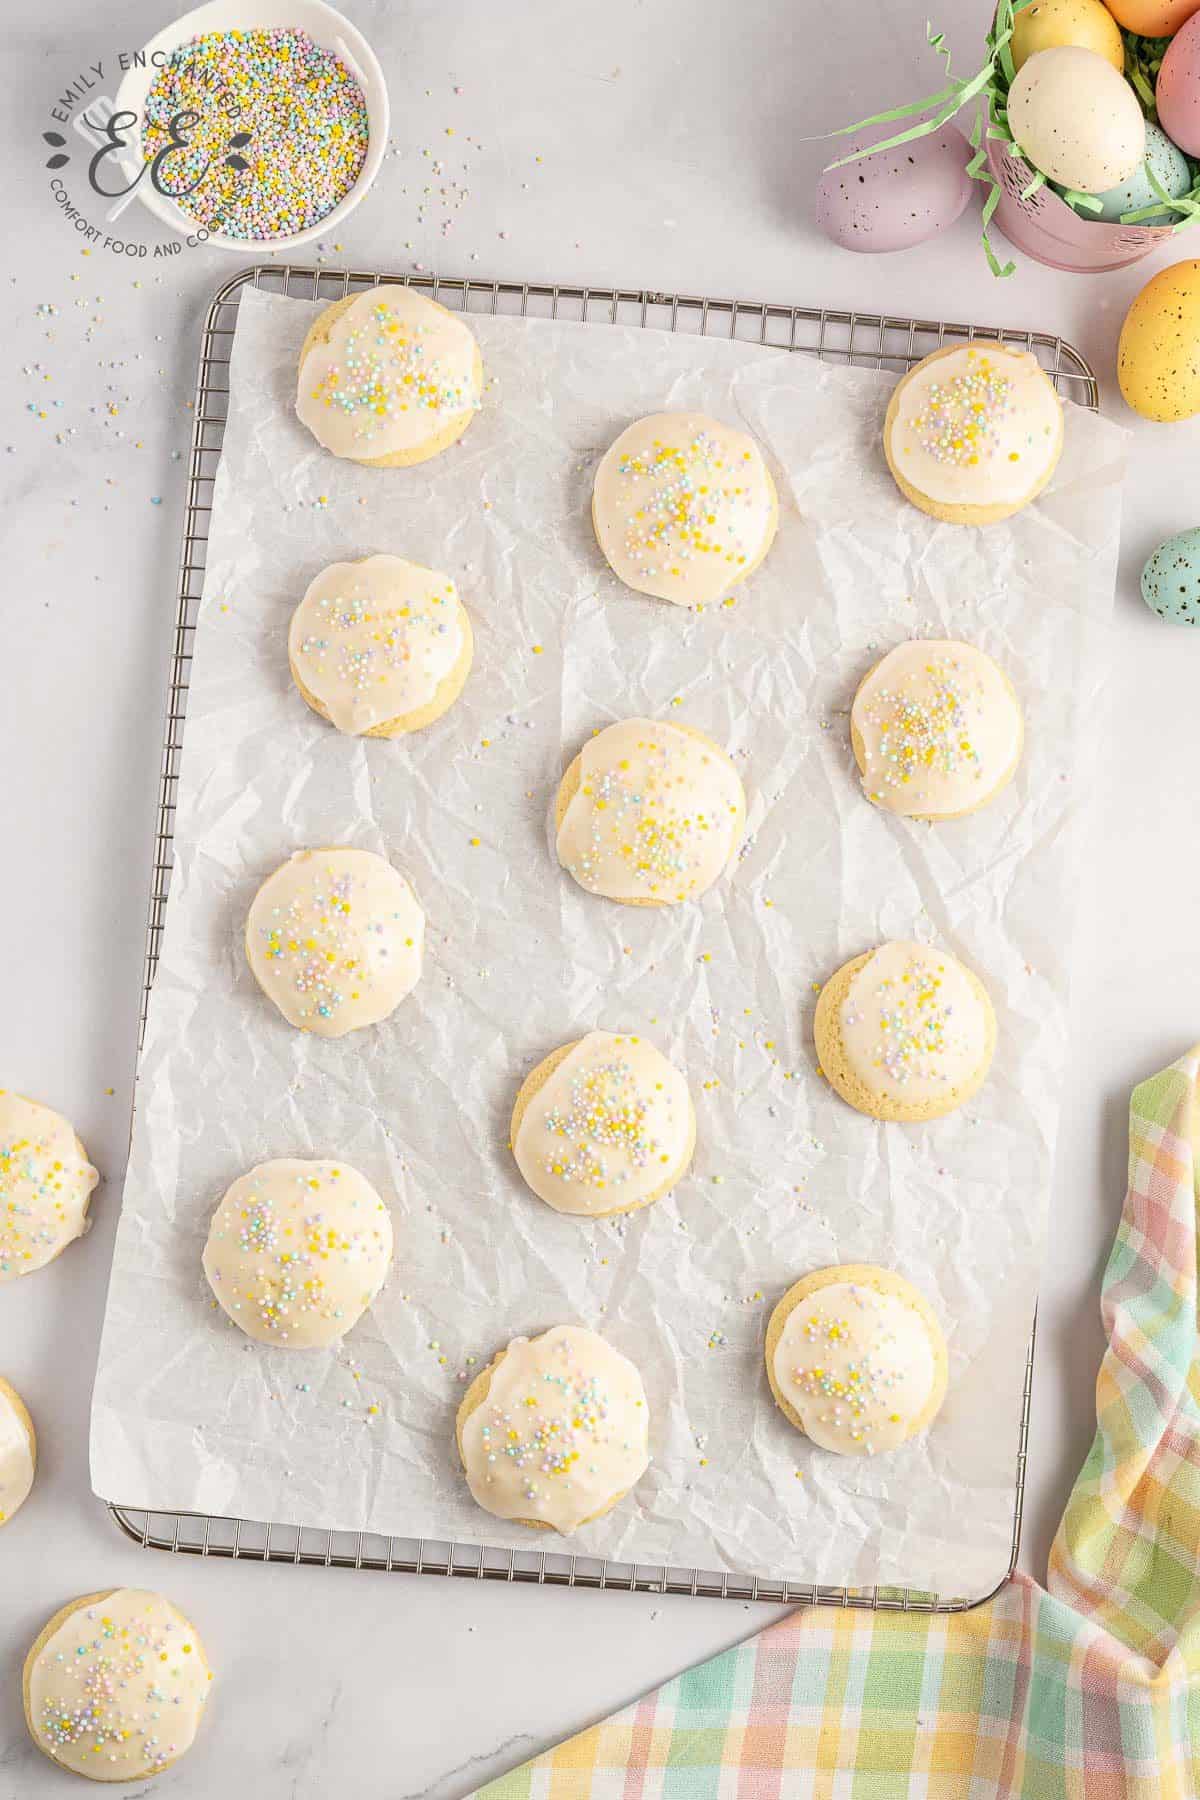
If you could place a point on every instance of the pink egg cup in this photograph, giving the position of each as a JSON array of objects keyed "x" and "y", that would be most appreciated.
[{"x": 1044, "y": 227}]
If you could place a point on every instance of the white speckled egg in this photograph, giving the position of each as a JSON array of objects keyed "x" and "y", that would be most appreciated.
[
  {"x": 1169, "y": 167},
  {"x": 1171, "y": 579},
  {"x": 898, "y": 198},
  {"x": 1076, "y": 119},
  {"x": 1177, "y": 90}
]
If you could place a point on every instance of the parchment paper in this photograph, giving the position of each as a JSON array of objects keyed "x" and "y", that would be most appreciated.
[{"x": 189, "y": 1414}]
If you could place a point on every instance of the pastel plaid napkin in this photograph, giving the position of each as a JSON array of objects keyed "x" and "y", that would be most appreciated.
[{"x": 1087, "y": 1691}]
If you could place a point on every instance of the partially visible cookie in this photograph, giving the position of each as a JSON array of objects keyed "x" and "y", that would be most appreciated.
[
  {"x": 18, "y": 1452},
  {"x": 46, "y": 1184}
]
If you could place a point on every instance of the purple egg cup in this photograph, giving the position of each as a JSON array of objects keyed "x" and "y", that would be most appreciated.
[{"x": 1043, "y": 226}]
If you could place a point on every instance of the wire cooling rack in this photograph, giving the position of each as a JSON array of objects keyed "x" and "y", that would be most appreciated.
[{"x": 864, "y": 340}]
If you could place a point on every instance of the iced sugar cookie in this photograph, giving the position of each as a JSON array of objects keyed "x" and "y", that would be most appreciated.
[
  {"x": 603, "y": 1126},
  {"x": 554, "y": 1432},
  {"x": 906, "y": 1032},
  {"x": 936, "y": 729},
  {"x": 297, "y": 1251},
  {"x": 649, "y": 814},
  {"x": 18, "y": 1452},
  {"x": 380, "y": 646},
  {"x": 856, "y": 1359},
  {"x": 46, "y": 1183},
  {"x": 335, "y": 939},
  {"x": 388, "y": 378},
  {"x": 115, "y": 1686},
  {"x": 684, "y": 507},
  {"x": 973, "y": 433}
]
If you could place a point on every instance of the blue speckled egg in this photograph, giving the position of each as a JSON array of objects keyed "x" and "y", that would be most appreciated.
[
  {"x": 1171, "y": 579},
  {"x": 898, "y": 198},
  {"x": 1166, "y": 163}
]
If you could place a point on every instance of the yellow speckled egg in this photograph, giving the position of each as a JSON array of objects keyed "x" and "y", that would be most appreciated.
[
  {"x": 1076, "y": 119},
  {"x": 1153, "y": 18},
  {"x": 1158, "y": 356},
  {"x": 1049, "y": 24}
]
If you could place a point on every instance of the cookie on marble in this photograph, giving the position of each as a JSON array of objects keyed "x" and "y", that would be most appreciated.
[
  {"x": 602, "y": 1126},
  {"x": 18, "y": 1452},
  {"x": 905, "y": 1032},
  {"x": 856, "y": 1359},
  {"x": 335, "y": 939},
  {"x": 936, "y": 730},
  {"x": 297, "y": 1251},
  {"x": 555, "y": 1431},
  {"x": 115, "y": 1685},
  {"x": 684, "y": 507},
  {"x": 380, "y": 647},
  {"x": 649, "y": 814},
  {"x": 388, "y": 377},
  {"x": 973, "y": 433},
  {"x": 46, "y": 1184}
]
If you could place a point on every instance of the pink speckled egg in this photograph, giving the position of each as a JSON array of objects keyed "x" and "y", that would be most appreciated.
[
  {"x": 898, "y": 198},
  {"x": 1177, "y": 90}
]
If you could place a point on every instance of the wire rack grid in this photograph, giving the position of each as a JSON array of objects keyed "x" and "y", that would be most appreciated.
[{"x": 863, "y": 340}]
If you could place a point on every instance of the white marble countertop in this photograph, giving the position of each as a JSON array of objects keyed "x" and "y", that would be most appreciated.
[{"x": 676, "y": 152}]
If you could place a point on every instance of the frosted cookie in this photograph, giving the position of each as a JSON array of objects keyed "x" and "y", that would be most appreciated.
[
  {"x": 936, "y": 729},
  {"x": 856, "y": 1359},
  {"x": 297, "y": 1251},
  {"x": 335, "y": 939},
  {"x": 905, "y": 1032},
  {"x": 46, "y": 1183},
  {"x": 555, "y": 1431},
  {"x": 380, "y": 646},
  {"x": 649, "y": 814},
  {"x": 683, "y": 507},
  {"x": 603, "y": 1126},
  {"x": 973, "y": 433},
  {"x": 115, "y": 1686},
  {"x": 388, "y": 378},
  {"x": 18, "y": 1452}
]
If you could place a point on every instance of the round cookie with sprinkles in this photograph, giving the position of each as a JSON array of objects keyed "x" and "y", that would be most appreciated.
[
  {"x": 297, "y": 1252},
  {"x": 856, "y": 1359},
  {"x": 388, "y": 378},
  {"x": 905, "y": 1033},
  {"x": 335, "y": 939},
  {"x": 555, "y": 1431},
  {"x": 380, "y": 647},
  {"x": 936, "y": 729},
  {"x": 649, "y": 814},
  {"x": 684, "y": 507},
  {"x": 18, "y": 1452},
  {"x": 603, "y": 1126},
  {"x": 115, "y": 1686},
  {"x": 46, "y": 1184},
  {"x": 973, "y": 433}
]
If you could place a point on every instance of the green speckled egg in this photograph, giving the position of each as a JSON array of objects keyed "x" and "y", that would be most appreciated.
[
  {"x": 1169, "y": 167},
  {"x": 1171, "y": 579}
]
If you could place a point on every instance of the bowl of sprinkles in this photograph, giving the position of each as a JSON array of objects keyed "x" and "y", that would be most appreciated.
[{"x": 258, "y": 126}]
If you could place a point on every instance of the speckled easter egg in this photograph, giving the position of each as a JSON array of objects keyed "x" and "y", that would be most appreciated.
[
  {"x": 1158, "y": 355},
  {"x": 1177, "y": 90},
  {"x": 1166, "y": 164},
  {"x": 1152, "y": 18},
  {"x": 1049, "y": 24},
  {"x": 898, "y": 198},
  {"x": 1171, "y": 579},
  {"x": 1076, "y": 119}
]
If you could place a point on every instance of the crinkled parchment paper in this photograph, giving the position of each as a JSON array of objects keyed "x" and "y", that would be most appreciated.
[{"x": 189, "y": 1414}]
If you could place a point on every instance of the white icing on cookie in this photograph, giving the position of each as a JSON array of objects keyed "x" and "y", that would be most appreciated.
[
  {"x": 297, "y": 1251},
  {"x": 683, "y": 507},
  {"x": 610, "y": 1126},
  {"x": 45, "y": 1184},
  {"x": 335, "y": 939},
  {"x": 118, "y": 1690},
  {"x": 374, "y": 640},
  {"x": 913, "y": 1025},
  {"x": 857, "y": 1367},
  {"x": 397, "y": 371},
  {"x": 657, "y": 814},
  {"x": 562, "y": 1433},
  {"x": 980, "y": 427},
  {"x": 16, "y": 1459},
  {"x": 939, "y": 726}
]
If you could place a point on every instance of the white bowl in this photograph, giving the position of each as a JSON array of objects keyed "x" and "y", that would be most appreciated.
[{"x": 326, "y": 28}]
